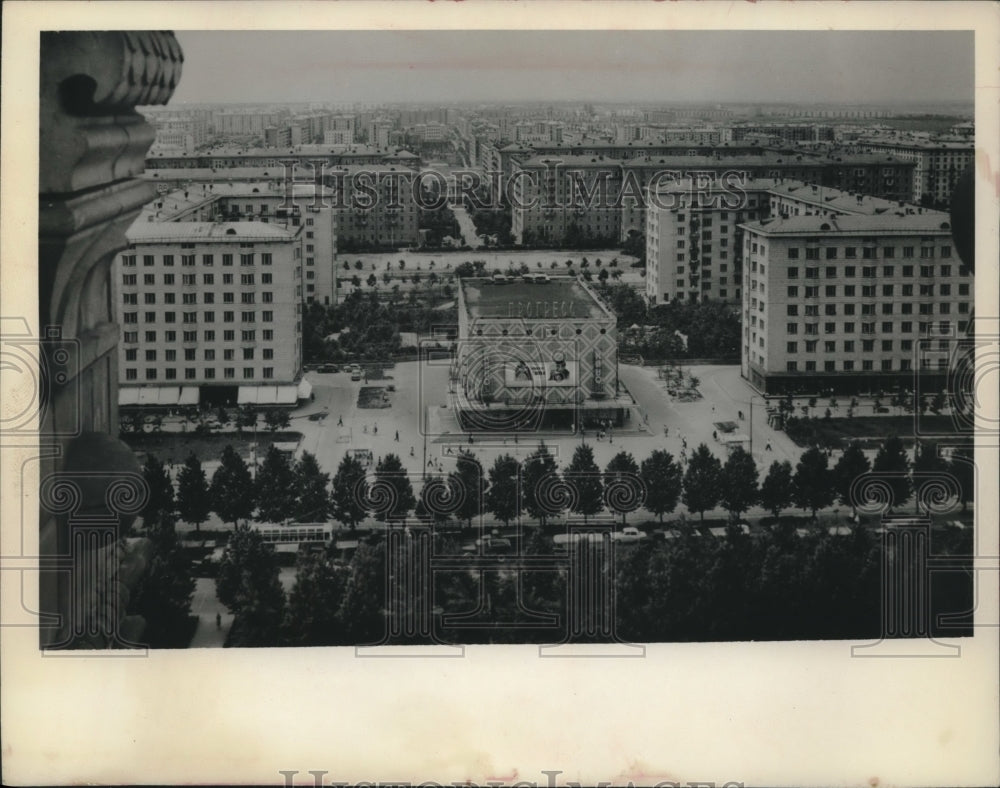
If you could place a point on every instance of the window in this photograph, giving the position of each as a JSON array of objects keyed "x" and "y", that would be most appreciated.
[
  {"x": 170, "y": 354},
  {"x": 248, "y": 354},
  {"x": 831, "y": 272},
  {"x": 830, "y": 291},
  {"x": 849, "y": 271},
  {"x": 247, "y": 298},
  {"x": 830, "y": 309},
  {"x": 793, "y": 292},
  {"x": 831, "y": 253},
  {"x": 849, "y": 346},
  {"x": 187, "y": 260},
  {"x": 249, "y": 317},
  {"x": 867, "y": 365},
  {"x": 812, "y": 254},
  {"x": 268, "y": 372},
  {"x": 171, "y": 373},
  {"x": 268, "y": 334},
  {"x": 792, "y": 328},
  {"x": 150, "y": 374},
  {"x": 793, "y": 273},
  {"x": 267, "y": 317},
  {"x": 149, "y": 279},
  {"x": 811, "y": 345},
  {"x": 849, "y": 291},
  {"x": 130, "y": 317},
  {"x": 812, "y": 273},
  {"x": 812, "y": 292},
  {"x": 228, "y": 316},
  {"x": 228, "y": 354},
  {"x": 246, "y": 259},
  {"x": 189, "y": 279},
  {"x": 810, "y": 366},
  {"x": 130, "y": 298},
  {"x": 168, "y": 260},
  {"x": 229, "y": 373},
  {"x": 147, "y": 259},
  {"x": 247, "y": 373},
  {"x": 210, "y": 354},
  {"x": 887, "y": 327},
  {"x": 829, "y": 328},
  {"x": 889, "y": 252},
  {"x": 265, "y": 258},
  {"x": 227, "y": 259},
  {"x": 131, "y": 374},
  {"x": 246, "y": 279},
  {"x": 189, "y": 354},
  {"x": 946, "y": 251},
  {"x": 189, "y": 298},
  {"x": 849, "y": 309},
  {"x": 848, "y": 328},
  {"x": 128, "y": 260},
  {"x": 848, "y": 366},
  {"x": 850, "y": 252},
  {"x": 793, "y": 310},
  {"x": 793, "y": 253},
  {"x": 792, "y": 366},
  {"x": 907, "y": 252},
  {"x": 945, "y": 270},
  {"x": 791, "y": 347},
  {"x": 128, "y": 279},
  {"x": 887, "y": 291}
]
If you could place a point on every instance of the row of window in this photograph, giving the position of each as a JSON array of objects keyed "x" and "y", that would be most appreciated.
[
  {"x": 132, "y": 318},
  {"x": 888, "y": 308},
  {"x": 229, "y": 335},
  {"x": 867, "y": 252},
  {"x": 871, "y": 271},
  {"x": 130, "y": 280},
  {"x": 869, "y": 291},
  {"x": 266, "y": 297},
  {"x": 887, "y": 327},
  {"x": 246, "y": 259},
  {"x": 867, "y": 346},
  {"x": 170, "y": 373},
  {"x": 868, "y": 365},
  {"x": 190, "y": 354}
]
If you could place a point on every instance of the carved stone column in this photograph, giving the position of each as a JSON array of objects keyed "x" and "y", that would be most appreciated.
[{"x": 92, "y": 144}]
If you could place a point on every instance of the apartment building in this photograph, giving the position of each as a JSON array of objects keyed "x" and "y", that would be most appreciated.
[
  {"x": 851, "y": 303},
  {"x": 694, "y": 238},
  {"x": 937, "y": 164},
  {"x": 209, "y": 312}
]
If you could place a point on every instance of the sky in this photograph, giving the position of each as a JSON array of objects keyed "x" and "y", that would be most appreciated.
[{"x": 601, "y": 66}]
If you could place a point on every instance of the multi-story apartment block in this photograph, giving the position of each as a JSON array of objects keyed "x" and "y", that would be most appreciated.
[
  {"x": 209, "y": 312},
  {"x": 303, "y": 156},
  {"x": 937, "y": 164},
  {"x": 851, "y": 303},
  {"x": 694, "y": 237}
]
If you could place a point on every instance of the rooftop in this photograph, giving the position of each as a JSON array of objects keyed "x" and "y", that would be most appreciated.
[
  {"x": 928, "y": 222},
  {"x": 836, "y": 200},
  {"x": 145, "y": 231},
  {"x": 561, "y": 297}
]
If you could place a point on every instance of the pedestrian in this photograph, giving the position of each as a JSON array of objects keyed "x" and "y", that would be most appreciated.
[
  {"x": 715, "y": 435},
  {"x": 411, "y": 451},
  {"x": 768, "y": 447},
  {"x": 397, "y": 436},
  {"x": 340, "y": 421},
  {"x": 218, "y": 621},
  {"x": 375, "y": 430}
]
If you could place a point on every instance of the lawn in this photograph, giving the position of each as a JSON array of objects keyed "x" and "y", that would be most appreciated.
[
  {"x": 176, "y": 446},
  {"x": 373, "y": 397},
  {"x": 834, "y": 431}
]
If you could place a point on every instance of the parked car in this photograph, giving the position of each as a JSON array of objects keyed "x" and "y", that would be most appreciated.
[
  {"x": 328, "y": 368},
  {"x": 355, "y": 375}
]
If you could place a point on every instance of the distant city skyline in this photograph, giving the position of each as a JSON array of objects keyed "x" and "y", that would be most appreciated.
[{"x": 706, "y": 67}]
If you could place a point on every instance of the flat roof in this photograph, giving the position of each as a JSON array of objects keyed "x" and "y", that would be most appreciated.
[
  {"x": 561, "y": 298},
  {"x": 834, "y": 199},
  {"x": 148, "y": 231},
  {"x": 928, "y": 222}
]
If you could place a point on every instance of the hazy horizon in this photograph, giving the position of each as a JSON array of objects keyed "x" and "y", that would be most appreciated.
[{"x": 889, "y": 68}]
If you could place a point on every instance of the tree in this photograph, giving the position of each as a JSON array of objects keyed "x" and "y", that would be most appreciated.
[
  {"x": 313, "y": 614},
  {"x": 467, "y": 481},
  {"x": 363, "y": 608},
  {"x": 248, "y": 585},
  {"x": 276, "y": 419},
  {"x": 160, "y": 503},
  {"x": 852, "y": 464},
  {"x": 194, "y": 502},
  {"x": 232, "y": 490},
  {"x": 276, "y": 489},
  {"x": 503, "y": 497},
  {"x": 585, "y": 477},
  {"x": 537, "y": 467},
  {"x": 358, "y": 265},
  {"x": 246, "y": 417},
  {"x": 350, "y": 492},
  {"x": 372, "y": 280},
  {"x": 622, "y": 486},
  {"x": 662, "y": 478},
  {"x": 893, "y": 465},
  {"x": 937, "y": 403},
  {"x": 702, "y": 481},
  {"x": 927, "y": 460},
  {"x": 963, "y": 468},
  {"x": 739, "y": 482},
  {"x": 163, "y": 593},
  {"x": 776, "y": 489},
  {"x": 399, "y": 499},
  {"x": 812, "y": 485},
  {"x": 356, "y": 280},
  {"x": 312, "y": 484}
]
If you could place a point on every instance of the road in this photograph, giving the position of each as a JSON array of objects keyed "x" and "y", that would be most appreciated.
[{"x": 467, "y": 226}]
